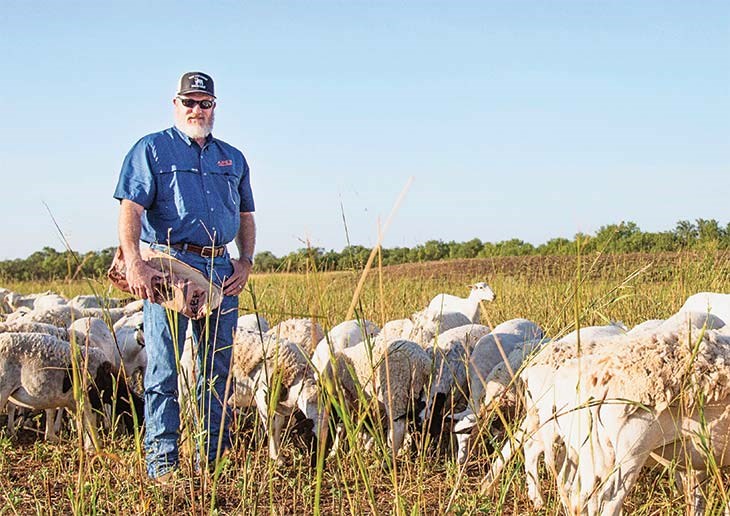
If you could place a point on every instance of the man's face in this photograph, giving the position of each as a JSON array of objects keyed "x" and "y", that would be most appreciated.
[{"x": 194, "y": 121}]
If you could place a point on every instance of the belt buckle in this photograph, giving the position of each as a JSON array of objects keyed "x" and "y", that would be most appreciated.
[{"x": 207, "y": 251}]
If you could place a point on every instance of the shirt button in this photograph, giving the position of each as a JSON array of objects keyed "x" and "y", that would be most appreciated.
[
  {"x": 205, "y": 173},
  {"x": 207, "y": 191},
  {"x": 211, "y": 209}
]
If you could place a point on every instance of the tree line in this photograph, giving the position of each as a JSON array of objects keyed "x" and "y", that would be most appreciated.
[{"x": 624, "y": 237}]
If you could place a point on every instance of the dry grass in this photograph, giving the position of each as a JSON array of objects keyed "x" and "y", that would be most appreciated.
[{"x": 38, "y": 477}]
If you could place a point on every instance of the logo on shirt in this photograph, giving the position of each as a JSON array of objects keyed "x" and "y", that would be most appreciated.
[{"x": 225, "y": 163}]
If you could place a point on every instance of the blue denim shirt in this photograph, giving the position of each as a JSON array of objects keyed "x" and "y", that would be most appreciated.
[{"x": 190, "y": 195}]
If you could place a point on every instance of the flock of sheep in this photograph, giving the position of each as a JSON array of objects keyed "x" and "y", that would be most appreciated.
[{"x": 596, "y": 405}]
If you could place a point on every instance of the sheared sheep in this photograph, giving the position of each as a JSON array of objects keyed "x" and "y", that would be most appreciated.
[
  {"x": 392, "y": 375},
  {"x": 449, "y": 386},
  {"x": 499, "y": 390},
  {"x": 61, "y": 316},
  {"x": 83, "y": 302},
  {"x": 35, "y": 372},
  {"x": 606, "y": 442},
  {"x": 427, "y": 325},
  {"x": 469, "y": 306},
  {"x": 712, "y": 302},
  {"x": 252, "y": 322},
  {"x": 305, "y": 332},
  {"x": 280, "y": 375},
  {"x": 342, "y": 336},
  {"x": 493, "y": 349}
]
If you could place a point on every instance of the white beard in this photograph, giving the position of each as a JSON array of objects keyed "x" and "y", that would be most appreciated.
[{"x": 195, "y": 130}]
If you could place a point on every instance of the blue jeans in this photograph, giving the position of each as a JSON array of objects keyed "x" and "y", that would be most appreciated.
[{"x": 162, "y": 328}]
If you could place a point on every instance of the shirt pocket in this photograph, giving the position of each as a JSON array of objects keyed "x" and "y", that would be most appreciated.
[
  {"x": 175, "y": 189},
  {"x": 226, "y": 184}
]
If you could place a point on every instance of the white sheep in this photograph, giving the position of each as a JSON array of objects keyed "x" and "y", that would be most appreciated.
[
  {"x": 493, "y": 349},
  {"x": 605, "y": 443},
  {"x": 392, "y": 375},
  {"x": 427, "y": 325},
  {"x": 396, "y": 329},
  {"x": 16, "y": 300},
  {"x": 468, "y": 306},
  {"x": 709, "y": 302},
  {"x": 281, "y": 377},
  {"x": 35, "y": 372},
  {"x": 84, "y": 301},
  {"x": 305, "y": 332},
  {"x": 449, "y": 386},
  {"x": 49, "y": 301},
  {"x": 129, "y": 333},
  {"x": 61, "y": 316},
  {"x": 500, "y": 390},
  {"x": 252, "y": 322},
  {"x": 342, "y": 336},
  {"x": 20, "y": 326}
]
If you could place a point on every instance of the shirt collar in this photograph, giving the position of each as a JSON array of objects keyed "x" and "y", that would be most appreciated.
[{"x": 187, "y": 139}]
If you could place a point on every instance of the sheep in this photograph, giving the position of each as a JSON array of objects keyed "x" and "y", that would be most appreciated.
[
  {"x": 35, "y": 372},
  {"x": 49, "y": 301},
  {"x": 305, "y": 332},
  {"x": 95, "y": 333},
  {"x": 712, "y": 302},
  {"x": 20, "y": 326},
  {"x": 646, "y": 326},
  {"x": 593, "y": 333},
  {"x": 427, "y": 325},
  {"x": 492, "y": 349},
  {"x": 448, "y": 383},
  {"x": 391, "y": 374},
  {"x": 129, "y": 333},
  {"x": 16, "y": 301},
  {"x": 499, "y": 387},
  {"x": 280, "y": 375},
  {"x": 114, "y": 314},
  {"x": 343, "y": 335},
  {"x": 395, "y": 330},
  {"x": 83, "y": 302},
  {"x": 61, "y": 316},
  {"x": 601, "y": 443},
  {"x": 5, "y": 307},
  {"x": 468, "y": 306},
  {"x": 252, "y": 322},
  {"x": 133, "y": 307}
]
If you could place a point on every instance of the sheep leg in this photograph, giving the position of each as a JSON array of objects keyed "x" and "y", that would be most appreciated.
[
  {"x": 277, "y": 426},
  {"x": 396, "y": 434},
  {"x": 11, "y": 410},
  {"x": 88, "y": 427},
  {"x": 50, "y": 432},
  {"x": 505, "y": 455}
]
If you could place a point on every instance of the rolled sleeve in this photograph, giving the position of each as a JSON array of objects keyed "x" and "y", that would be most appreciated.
[{"x": 136, "y": 181}]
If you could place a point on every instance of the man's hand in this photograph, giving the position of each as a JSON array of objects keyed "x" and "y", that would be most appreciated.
[
  {"x": 233, "y": 286},
  {"x": 139, "y": 277}
]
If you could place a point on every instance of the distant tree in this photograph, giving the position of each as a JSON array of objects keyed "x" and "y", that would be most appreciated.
[
  {"x": 265, "y": 261},
  {"x": 557, "y": 246},
  {"x": 686, "y": 233}
]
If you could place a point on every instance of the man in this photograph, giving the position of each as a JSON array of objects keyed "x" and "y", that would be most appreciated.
[{"x": 185, "y": 192}]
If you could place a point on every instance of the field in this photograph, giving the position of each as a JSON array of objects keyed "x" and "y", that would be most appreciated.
[{"x": 557, "y": 293}]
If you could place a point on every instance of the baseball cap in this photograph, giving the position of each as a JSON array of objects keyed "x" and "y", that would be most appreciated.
[{"x": 196, "y": 82}]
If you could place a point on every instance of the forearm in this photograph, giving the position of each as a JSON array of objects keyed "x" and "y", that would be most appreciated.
[
  {"x": 130, "y": 227},
  {"x": 246, "y": 237}
]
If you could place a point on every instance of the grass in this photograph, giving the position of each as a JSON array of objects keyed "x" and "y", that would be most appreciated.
[{"x": 39, "y": 477}]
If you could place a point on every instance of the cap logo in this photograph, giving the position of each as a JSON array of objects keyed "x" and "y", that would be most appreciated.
[{"x": 198, "y": 82}]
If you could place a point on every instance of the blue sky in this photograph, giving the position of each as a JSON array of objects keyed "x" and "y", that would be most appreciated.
[{"x": 516, "y": 119}]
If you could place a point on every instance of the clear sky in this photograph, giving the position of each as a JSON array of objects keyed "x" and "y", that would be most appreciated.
[{"x": 517, "y": 119}]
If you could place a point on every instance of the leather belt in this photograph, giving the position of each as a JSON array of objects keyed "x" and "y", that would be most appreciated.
[{"x": 207, "y": 251}]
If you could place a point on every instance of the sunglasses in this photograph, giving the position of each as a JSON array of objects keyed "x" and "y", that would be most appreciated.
[{"x": 191, "y": 103}]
